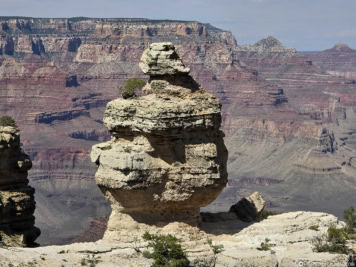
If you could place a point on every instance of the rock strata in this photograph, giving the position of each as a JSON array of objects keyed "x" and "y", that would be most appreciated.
[
  {"x": 167, "y": 156},
  {"x": 17, "y": 203}
]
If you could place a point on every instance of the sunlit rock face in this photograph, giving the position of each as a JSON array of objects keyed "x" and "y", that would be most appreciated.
[
  {"x": 167, "y": 156},
  {"x": 17, "y": 203}
]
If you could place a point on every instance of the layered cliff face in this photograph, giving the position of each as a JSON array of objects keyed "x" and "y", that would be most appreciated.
[
  {"x": 167, "y": 156},
  {"x": 310, "y": 164},
  {"x": 339, "y": 61},
  {"x": 17, "y": 203},
  {"x": 57, "y": 75}
]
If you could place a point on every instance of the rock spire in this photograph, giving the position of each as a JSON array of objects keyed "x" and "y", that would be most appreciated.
[{"x": 167, "y": 157}]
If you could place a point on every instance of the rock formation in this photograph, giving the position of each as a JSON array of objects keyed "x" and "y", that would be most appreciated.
[
  {"x": 339, "y": 61},
  {"x": 290, "y": 238},
  {"x": 167, "y": 156},
  {"x": 267, "y": 45},
  {"x": 249, "y": 209},
  {"x": 65, "y": 71},
  {"x": 17, "y": 204}
]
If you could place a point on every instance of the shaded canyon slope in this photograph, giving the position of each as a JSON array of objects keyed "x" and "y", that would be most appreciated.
[{"x": 279, "y": 112}]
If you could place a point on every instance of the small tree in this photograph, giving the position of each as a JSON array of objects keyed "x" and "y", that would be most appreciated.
[
  {"x": 167, "y": 252},
  {"x": 7, "y": 121},
  {"x": 128, "y": 90}
]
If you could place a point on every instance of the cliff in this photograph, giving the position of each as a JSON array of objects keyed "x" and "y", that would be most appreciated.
[
  {"x": 17, "y": 203},
  {"x": 339, "y": 60},
  {"x": 57, "y": 75}
]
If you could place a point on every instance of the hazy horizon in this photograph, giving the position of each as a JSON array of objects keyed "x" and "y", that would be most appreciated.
[{"x": 307, "y": 25}]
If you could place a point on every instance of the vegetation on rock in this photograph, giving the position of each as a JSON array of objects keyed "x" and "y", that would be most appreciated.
[
  {"x": 167, "y": 251},
  {"x": 128, "y": 90},
  {"x": 7, "y": 121},
  {"x": 216, "y": 249},
  {"x": 265, "y": 245},
  {"x": 350, "y": 219},
  {"x": 335, "y": 240}
]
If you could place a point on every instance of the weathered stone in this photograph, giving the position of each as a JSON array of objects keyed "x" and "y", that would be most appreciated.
[
  {"x": 249, "y": 209},
  {"x": 162, "y": 59},
  {"x": 17, "y": 203},
  {"x": 167, "y": 157},
  {"x": 288, "y": 234},
  {"x": 269, "y": 44}
]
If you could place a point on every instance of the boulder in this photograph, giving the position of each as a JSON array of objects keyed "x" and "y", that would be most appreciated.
[{"x": 249, "y": 209}]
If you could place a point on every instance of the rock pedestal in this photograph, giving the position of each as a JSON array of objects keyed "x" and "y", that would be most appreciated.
[
  {"x": 167, "y": 156},
  {"x": 17, "y": 204}
]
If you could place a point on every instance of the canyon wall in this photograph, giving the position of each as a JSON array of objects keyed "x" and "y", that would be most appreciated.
[
  {"x": 339, "y": 60},
  {"x": 57, "y": 75}
]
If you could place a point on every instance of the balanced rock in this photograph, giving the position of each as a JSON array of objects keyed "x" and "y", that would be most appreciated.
[
  {"x": 17, "y": 204},
  {"x": 162, "y": 59},
  {"x": 167, "y": 156},
  {"x": 249, "y": 209}
]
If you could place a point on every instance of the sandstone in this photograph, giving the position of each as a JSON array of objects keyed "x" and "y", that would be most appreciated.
[
  {"x": 162, "y": 59},
  {"x": 17, "y": 203},
  {"x": 270, "y": 136},
  {"x": 167, "y": 156},
  {"x": 249, "y": 209},
  {"x": 289, "y": 236}
]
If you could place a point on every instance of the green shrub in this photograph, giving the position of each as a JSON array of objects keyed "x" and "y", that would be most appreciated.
[
  {"x": 350, "y": 219},
  {"x": 314, "y": 227},
  {"x": 265, "y": 245},
  {"x": 167, "y": 252},
  {"x": 128, "y": 90},
  {"x": 333, "y": 242},
  {"x": 216, "y": 249},
  {"x": 7, "y": 121}
]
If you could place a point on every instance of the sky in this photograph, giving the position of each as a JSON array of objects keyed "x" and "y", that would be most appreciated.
[{"x": 307, "y": 25}]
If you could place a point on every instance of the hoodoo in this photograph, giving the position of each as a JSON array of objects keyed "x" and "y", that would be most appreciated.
[
  {"x": 167, "y": 157},
  {"x": 17, "y": 204}
]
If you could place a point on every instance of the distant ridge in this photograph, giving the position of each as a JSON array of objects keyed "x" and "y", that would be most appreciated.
[
  {"x": 340, "y": 47},
  {"x": 269, "y": 44}
]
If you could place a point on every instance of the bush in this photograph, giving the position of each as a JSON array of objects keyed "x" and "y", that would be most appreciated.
[
  {"x": 350, "y": 219},
  {"x": 265, "y": 245},
  {"x": 128, "y": 90},
  {"x": 334, "y": 241},
  {"x": 7, "y": 121},
  {"x": 167, "y": 252},
  {"x": 314, "y": 227}
]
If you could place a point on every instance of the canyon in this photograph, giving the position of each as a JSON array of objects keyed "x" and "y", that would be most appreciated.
[
  {"x": 165, "y": 160},
  {"x": 289, "y": 124}
]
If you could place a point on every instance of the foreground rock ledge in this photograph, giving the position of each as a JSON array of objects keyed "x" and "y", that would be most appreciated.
[
  {"x": 17, "y": 204},
  {"x": 167, "y": 156},
  {"x": 289, "y": 234}
]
